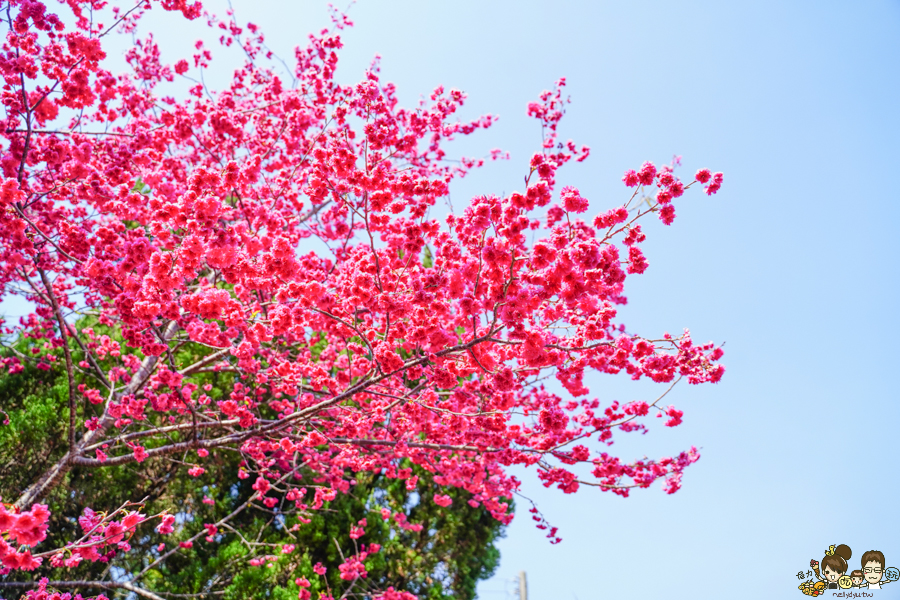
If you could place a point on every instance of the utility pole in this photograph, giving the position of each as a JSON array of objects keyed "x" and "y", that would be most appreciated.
[{"x": 523, "y": 586}]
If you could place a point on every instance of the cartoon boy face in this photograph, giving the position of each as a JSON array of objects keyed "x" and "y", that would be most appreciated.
[
  {"x": 857, "y": 580},
  {"x": 872, "y": 571},
  {"x": 832, "y": 575}
]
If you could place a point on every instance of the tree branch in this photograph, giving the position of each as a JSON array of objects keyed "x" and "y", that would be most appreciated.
[
  {"x": 111, "y": 585},
  {"x": 54, "y": 475},
  {"x": 70, "y": 374}
]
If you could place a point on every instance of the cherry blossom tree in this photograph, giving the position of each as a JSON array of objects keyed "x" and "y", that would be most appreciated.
[
  {"x": 260, "y": 270},
  {"x": 425, "y": 548}
]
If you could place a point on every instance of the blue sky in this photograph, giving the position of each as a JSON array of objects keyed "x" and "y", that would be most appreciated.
[{"x": 793, "y": 264}]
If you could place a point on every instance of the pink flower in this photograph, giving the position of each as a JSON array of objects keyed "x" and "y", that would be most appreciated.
[
  {"x": 573, "y": 201},
  {"x": 140, "y": 454},
  {"x": 702, "y": 175},
  {"x": 647, "y": 173},
  {"x": 637, "y": 407},
  {"x": 11, "y": 560},
  {"x": 713, "y": 187},
  {"x": 637, "y": 263},
  {"x": 73, "y": 561},
  {"x": 674, "y": 416},
  {"x": 359, "y": 531},
  {"x": 261, "y": 485},
  {"x": 114, "y": 532},
  {"x": 132, "y": 520},
  {"x": 319, "y": 569},
  {"x": 667, "y": 214},
  {"x": 635, "y": 236},
  {"x": 555, "y": 214},
  {"x": 10, "y": 192},
  {"x": 387, "y": 358},
  {"x": 93, "y": 396},
  {"x": 673, "y": 483},
  {"x": 352, "y": 569},
  {"x": 7, "y": 519},
  {"x": 630, "y": 178},
  {"x": 611, "y": 218},
  {"x": 88, "y": 520},
  {"x": 443, "y": 500},
  {"x": 166, "y": 525},
  {"x": 28, "y": 562},
  {"x": 30, "y": 528}
]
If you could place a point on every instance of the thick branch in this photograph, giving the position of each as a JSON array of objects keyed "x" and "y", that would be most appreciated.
[
  {"x": 54, "y": 475},
  {"x": 21, "y": 213},
  {"x": 238, "y": 437},
  {"x": 361, "y": 442},
  {"x": 110, "y": 585},
  {"x": 70, "y": 368}
]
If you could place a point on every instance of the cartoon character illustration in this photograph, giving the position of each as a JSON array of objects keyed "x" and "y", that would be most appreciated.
[
  {"x": 813, "y": 589},
  {"x": 873, "y": 569},
  {"x": 834, "y": 565},
  {"x": 857, "y": 577}
]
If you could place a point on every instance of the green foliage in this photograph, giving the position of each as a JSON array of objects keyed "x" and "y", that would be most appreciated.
[
  {"x": 445, "y": 559},
  {"x": 36, "y": 405},
  {"x": 141, "y": 187}
]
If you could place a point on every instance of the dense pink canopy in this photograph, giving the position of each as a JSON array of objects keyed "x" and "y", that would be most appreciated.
[{"x": 283, "y": 228}]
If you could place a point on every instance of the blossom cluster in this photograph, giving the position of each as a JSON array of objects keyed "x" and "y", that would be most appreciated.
[
  {"x": 22, "y": 528},
  {"x": 281, "y": 231}
]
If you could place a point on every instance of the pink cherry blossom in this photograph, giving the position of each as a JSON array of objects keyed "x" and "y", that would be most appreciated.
[{"x": 284, "y": 231}]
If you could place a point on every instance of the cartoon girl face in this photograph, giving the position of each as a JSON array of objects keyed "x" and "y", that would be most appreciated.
[{"x": 830, "y": 575}]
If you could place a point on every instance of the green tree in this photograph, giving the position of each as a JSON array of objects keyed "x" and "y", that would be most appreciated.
[{"x": 432, "y": 551}]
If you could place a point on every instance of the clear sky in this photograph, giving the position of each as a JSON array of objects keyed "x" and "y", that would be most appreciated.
[{"x": 793, "y": 264}]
